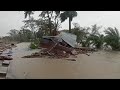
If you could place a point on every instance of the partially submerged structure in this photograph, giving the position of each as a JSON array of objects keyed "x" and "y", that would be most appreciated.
[
  {"x": 61, "y": 46},
  {"x": 65, "y": 39}
]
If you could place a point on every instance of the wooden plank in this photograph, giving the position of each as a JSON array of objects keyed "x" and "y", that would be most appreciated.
[
  {"x": 5, "y": 57},
  {"x": 2, "y": 77},
  {"x": 3, "y": 71},
  {"x": 9, "y": 54},
  {"x": 5, "y": 62},
  {"x": 70, "y": 59}
]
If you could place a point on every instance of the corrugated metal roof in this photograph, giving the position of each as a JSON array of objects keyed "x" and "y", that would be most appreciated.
[{"x": 68, "y": 38}]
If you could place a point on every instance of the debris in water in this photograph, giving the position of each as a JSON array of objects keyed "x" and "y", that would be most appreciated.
[{"x": 71, "y": 59}]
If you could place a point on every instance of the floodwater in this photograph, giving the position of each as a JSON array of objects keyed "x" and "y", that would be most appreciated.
[{"x": 99, "y": 65}]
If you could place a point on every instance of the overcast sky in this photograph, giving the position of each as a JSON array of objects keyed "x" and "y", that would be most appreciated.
[{"x": 13, "y": 19}]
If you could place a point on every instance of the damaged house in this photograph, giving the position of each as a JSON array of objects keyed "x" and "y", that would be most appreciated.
[{"x": 60, "y": 45}]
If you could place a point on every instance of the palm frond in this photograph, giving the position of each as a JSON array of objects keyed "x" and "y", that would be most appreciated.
[{"x": 28, "y": 13}]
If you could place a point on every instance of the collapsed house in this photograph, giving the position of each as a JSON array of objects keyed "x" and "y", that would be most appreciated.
[
  {"x": 60, "y": 46},
  {"x": 63, "y": 41}
]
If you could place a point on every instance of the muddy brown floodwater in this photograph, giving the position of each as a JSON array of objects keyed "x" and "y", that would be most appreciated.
[{"x": 99, "y": 65}]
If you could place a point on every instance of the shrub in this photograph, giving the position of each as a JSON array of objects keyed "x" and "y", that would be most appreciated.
[{"x": 33, "y": 46}]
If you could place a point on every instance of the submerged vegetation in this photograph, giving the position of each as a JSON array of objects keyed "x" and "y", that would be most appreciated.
[{"x": 49, "y": 23}]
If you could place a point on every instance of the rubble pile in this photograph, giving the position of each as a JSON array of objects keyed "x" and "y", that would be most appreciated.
[
  {"x": 6, "y": 51},
  {"x": 60, "y": 46}
]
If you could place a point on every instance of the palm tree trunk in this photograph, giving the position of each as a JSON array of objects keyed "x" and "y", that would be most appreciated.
[
  {"x": 49, "y": 22},
  {"x": 50, "y": 26},
  {"x": 69, "y": 25}
]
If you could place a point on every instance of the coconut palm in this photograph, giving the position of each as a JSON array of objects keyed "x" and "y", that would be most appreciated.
[
  {"x": 112, "y": 38},
  {"x": 97, "y": 40},
  {"x": 95, "y": 37},
  {"x": 82, "y": 34},
  {"x": 51, "y": 16},
  {"x": 70, "y": 15},
  {"x": 28, "y": 13}
]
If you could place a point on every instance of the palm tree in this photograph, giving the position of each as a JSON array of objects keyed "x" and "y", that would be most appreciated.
[
  {"x": 31, "y": 24},
  {"x": 70, "y": 15},
  {"x": 82, "y": 34},
  {"x": 97, "y": 40},
  {"x": 112, "y": 38},
  {"x": 95, "y": 37},
  {"x": 28, "y": 13},
  {"x": 50, "y": 16}
]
